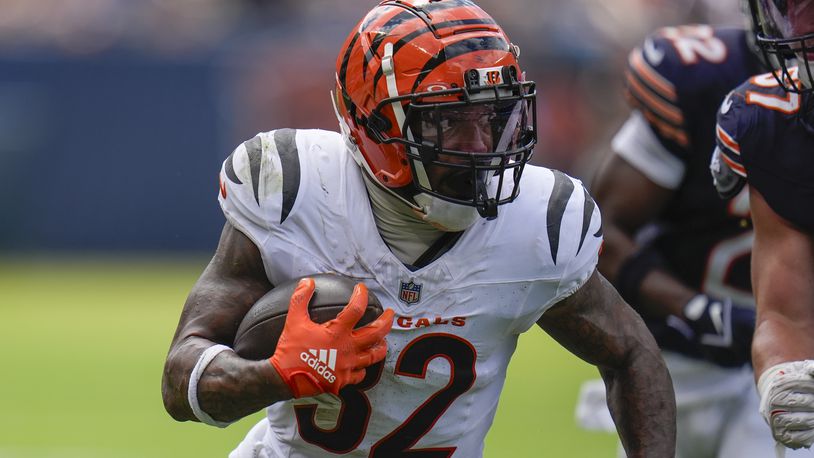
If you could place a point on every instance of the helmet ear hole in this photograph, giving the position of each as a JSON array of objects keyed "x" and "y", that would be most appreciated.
[
  {"x": 509, "y": 74},
  {"x": 376, "y": 125},
  {"x": 472, "y": 78}
]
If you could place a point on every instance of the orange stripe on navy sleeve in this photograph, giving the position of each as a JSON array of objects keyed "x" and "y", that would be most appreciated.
[
  {"x": 656, "y": 97},
  {"x": 737, "y": 167},
  {"x": 727, "y": 141},
  {"x": 666, "y": 130},
  {"x": 730, "y": 151},
  {"x": 651, "y": 77},
  {"x": 653, "y": 102}
]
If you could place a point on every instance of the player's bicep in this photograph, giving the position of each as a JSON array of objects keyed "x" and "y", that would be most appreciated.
[
  {"x": 260, "y": 182},
  {"x": 627, "y": 197},
  {"x": 595, "y": 324},
  {"x": 232, "y": 282},
  {"x": 637, "y": 143}
]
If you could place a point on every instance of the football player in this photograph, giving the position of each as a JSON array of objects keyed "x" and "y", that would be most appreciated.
[
  {"x": 765, "y": 136},
  {"x": 675, "y": 251},
  {"x": 427, "y": 198}
]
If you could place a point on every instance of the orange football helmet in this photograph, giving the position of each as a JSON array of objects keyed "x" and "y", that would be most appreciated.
[{"x": 431, "y": 93}]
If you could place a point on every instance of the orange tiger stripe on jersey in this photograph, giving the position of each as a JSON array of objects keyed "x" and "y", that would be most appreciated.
[
  {"x": 656, "y": 82},
  {"x": 653, "y": 102},
  {"x": 727, "y": 140}
]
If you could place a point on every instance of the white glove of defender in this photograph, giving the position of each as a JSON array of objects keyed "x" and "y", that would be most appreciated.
[{"x": 787, "y": 402}]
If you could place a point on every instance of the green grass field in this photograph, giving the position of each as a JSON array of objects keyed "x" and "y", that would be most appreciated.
[{"x": 84, "y": 345}]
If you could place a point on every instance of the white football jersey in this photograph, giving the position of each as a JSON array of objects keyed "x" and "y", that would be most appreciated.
[{"x": 299, "y": 195}]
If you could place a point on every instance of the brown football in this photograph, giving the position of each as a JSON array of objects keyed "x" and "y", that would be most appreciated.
[{"x": 260, "y": 329}]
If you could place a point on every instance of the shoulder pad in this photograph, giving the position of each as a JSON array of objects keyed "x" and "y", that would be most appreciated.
[
  {"x": 728, "y": 132},
  {"x": 260, "y": 180},
  {"x": 674, "y": 65},
  {"x": 574, "y": 230},
  {"x": 564, "y": 215},
  {"x": 749, "y": 119},
  {"x": 762, "y": 134}
]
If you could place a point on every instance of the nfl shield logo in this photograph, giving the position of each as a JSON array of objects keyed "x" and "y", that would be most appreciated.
[{"x": 410, "y": 292}]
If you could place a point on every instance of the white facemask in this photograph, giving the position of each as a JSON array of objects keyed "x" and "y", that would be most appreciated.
[{"x": 444, "y": 215}]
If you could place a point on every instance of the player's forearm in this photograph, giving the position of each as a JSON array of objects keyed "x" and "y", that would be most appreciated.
[
  {"x": 658, "y": 293},
  {"x": 662, "y": 294},
  {"x": 783, "y": 284},
  {"x": 233, "y": 387},
  {"x": 642, "y": 403},
  {"x": 779, "y": 339},
  {"x": 595, "y": 324},
  {"x": 229, "y": 388},
  {"x": 233, "y": 281}
]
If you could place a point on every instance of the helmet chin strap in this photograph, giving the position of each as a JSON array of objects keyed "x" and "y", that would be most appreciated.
[{"x": 446, "y": 216}]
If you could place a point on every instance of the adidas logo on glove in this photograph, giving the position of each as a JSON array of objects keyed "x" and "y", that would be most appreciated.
[{"x": 322, "y": 361}]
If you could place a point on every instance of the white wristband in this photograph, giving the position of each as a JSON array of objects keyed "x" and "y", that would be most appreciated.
[{"x": 192, "y": 390}]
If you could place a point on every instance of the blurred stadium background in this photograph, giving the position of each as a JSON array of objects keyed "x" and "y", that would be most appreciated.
[{"x": 114, "y": 118}]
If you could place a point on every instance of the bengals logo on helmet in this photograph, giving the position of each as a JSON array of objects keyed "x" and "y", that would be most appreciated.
[{"x": 493, "y": 77}]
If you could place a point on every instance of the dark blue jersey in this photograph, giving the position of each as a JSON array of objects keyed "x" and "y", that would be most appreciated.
[
  {"x": 677, "y": 80},
  {"x": 767, "y": 136}
]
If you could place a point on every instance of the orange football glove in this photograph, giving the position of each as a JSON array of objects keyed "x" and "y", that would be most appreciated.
[{"x": 316, "y": 358}]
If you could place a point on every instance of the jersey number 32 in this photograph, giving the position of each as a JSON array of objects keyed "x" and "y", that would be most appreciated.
[{"x": 355, "y": 412}]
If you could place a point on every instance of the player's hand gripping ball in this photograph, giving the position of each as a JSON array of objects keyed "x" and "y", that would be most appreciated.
[{"x": 316, "y": 342}]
